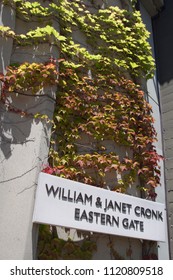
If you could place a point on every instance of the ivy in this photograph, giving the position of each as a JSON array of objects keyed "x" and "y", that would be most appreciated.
[
  {"x": 118, "y": 38},
  {"x": 6, "y": 32},
  {"x": 34, "y": 9},
  {"x": 53, "y": 248},
  {"x": 29, "y": 77},
  {"x": 97, "y": 99},
  {"x": 41, "y": 34},
  {"x": 102, "y": 109},
  {"x": 99, "y": 106}
]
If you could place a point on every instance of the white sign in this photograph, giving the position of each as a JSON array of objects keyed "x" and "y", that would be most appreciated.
[{"x": 72, "y": 204}]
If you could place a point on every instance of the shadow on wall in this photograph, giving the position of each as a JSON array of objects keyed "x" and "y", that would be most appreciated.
[
  {"x": 7, "y": 19},
  {"x": 163, "y": 32},
  {"x": 16, "y": 129},
  {"x": 13, "y": 130},
  {"x": 7, "y": 15}
]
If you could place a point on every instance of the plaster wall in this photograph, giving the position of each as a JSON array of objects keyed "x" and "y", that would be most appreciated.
[
  {"x": 152, "y": 92},
  {"x": 24, "y": 148},
  {"x": 7, "y": 18}
]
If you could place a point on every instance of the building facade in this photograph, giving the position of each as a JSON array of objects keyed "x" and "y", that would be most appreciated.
[{"x": 25, "y": 141}]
